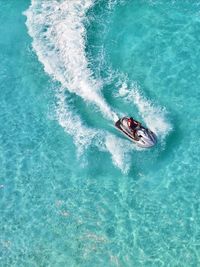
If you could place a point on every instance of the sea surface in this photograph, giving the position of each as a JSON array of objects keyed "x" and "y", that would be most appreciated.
[{"x": 74, "y": 192}]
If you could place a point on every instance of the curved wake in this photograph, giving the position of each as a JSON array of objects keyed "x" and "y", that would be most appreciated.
[
  {"x": 154, "y": 117},
  {"x": 58, "y": 32},
  {"x": 84, "y": 136}
]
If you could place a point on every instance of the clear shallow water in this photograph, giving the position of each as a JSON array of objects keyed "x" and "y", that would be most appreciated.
[{"x": 70, "y": 197}]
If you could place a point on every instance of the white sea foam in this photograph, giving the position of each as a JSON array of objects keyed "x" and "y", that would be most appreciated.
[
  {"x": 154, "y": 117},
  {"x": 120, "y": 151},
  {"x": 58, "y": 32},
  {"x": 72, "y": 123},
  {"x": 84, "y": 136}
]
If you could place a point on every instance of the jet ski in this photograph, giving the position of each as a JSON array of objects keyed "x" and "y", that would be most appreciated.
[{"x": 142, "y": 136}]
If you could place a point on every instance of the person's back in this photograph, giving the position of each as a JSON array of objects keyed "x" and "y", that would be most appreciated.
[{"x": 133, "y": 124}]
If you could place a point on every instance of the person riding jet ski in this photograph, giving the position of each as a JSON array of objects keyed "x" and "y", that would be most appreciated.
[
  {"x": 134, "y": 126},
  {"x": 137, "y": 133}
]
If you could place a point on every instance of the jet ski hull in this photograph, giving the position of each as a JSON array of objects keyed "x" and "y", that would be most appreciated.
[{"x": 147, "y": 139}]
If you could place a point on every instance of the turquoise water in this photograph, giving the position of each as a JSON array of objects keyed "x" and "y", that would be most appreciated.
[{"x": 73, "y": 191}]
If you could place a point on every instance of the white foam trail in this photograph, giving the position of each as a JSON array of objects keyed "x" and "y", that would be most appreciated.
[
  {"x": 73, "y": 125},
  {"x": 58, "y": 36},
  {"x": 154, "y": 117},
  {"x": 120, "y": 152},
  {"x": 84, "y": 136},
  {"x": 58, "y": 32}
]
